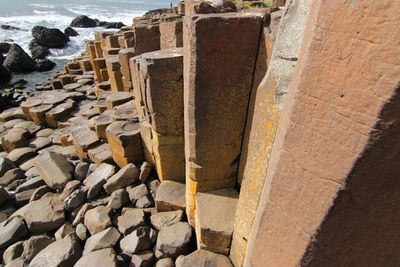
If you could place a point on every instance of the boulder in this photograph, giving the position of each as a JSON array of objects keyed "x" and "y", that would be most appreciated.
[
  {"x": 18, "y": 60},
  {"x": 70, "y": 187},
  {"x": 141, "y": 239},
  {"x": 107, "y": 238},
  {"x": 142, "y": 259},
  {"x": 113, "y": 25},
  {"x": 70, "y": 32},
  {"x": 55, "y": 169},
  {"x": 61, "y": 253},
  {"x": 98, "y": 219},
  {"x": 64, "y": 231},
  {"x": 203, "y": 258},
  {"x": 80, "y": 216},
  {"x": 95, "y": 181},
  {"x": 12, "y": 252},
  {"x": 118, "y": 199},
  {"x": 124, "y": 177},
  {"x": 83, "y": 21},
  {"x": 34, "y": 245},
  {"x": 43, "y": 215},
  {"x": 38, "y": 51},
  {"x": 161, "y": 220},
  {"x": 39, "y": 192},
  {"x": 81, "y": 171},
  {"x": 51, "y": 38},
  {"x": 11, "y": 231},
  {"x": 171, "y": 196},
  {"x": 104, "y": 257},
  {"x": 174, "y": 240},
  {"x": 5, "y": 165},
  {"x": 4, "y": 47},
  {"x": 44, "y": 64},
  {"x": 145, "y": 170},
  {"x": 130, "y": 220},
  {"x": 137, "y": 193},
  {"x": 5, "y": 74},
  {"x": 10, "y": 28},
  {"x": 11, "y": 176},
  {"x": 18, "y": 262}
]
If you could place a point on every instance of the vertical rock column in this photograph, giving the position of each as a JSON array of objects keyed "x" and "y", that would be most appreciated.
[
  {"x": 171, "y": 34},
  {"x": 220, "y": 55},
  {"x": 159, "y": 96}
]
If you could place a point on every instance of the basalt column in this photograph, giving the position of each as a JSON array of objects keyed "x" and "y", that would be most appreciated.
[
  {"x": 158, "y": 87},
  {"x": 331, "y": 192},
  {"x": 220, "y": 55}
]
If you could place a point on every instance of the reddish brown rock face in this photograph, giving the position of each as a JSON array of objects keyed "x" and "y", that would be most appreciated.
[
  {"x": 171, "y": 34},
  {"x": 331, "y": 189},
  {"x": 220, "y": 54}
]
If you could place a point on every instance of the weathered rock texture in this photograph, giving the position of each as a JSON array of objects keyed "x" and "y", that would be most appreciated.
[
  {"x": 341, "y": 108},
  {"x": 266, "y": 104},
  {"x": 216, "y": 98}
]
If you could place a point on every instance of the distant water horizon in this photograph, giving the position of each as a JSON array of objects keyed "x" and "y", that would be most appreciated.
[{"x": 25, "y": 14}]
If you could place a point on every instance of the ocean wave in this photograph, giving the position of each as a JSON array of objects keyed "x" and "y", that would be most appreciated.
[
  {"x": 43, "y": 5},
  {"x": 44, "y": 12}
]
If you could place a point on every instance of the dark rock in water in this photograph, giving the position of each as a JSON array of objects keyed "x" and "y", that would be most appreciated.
[
  {"x": 10, "y": 28},
  {"x": 1, "y": 59},
  {"x": 114, "y": 25},
  {"x": 38, "y": 51},
  {"x": 18, "y": 60},
  {"x": 44, "y": 64},
  {"x": 5, "y": 75},
  {"x": 70, "y": 32},
  {"x": 83, "y": 21},
  {"x": 51, "y": 38},
  {"x": 155, "y": 12},
  {"x": 4, "y": 47}
]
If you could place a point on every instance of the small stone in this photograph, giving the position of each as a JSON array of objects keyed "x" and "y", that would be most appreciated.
[
  {"x": 80, "y": 216},
  {"x": 163, "y": 219},
  {"x": 34, "y": 245},
  {"x": 20, "y": 155},
  {"x": 104, "y": 257},
  {"x": 64, "y": 231},
  {"x": 55, "y": 169},
  {"x": 203, "y": 258},
  {"x": 70, "y": 187},
  {"x": 11, "y": 176},
  {"x": 107, "y": 238},
  {"x": 75, "y": 199},
  {"x": 174, "y": 240},
  {"x": 39, "y": 192},
  {"x": 18, "y": 262},
  {"x": 130, "y": 220},
  {"x": 81, "y": 232},
  {"x": 118, "y": 199},
  {"x": 171, "y": 196},
  {"x": 137, "y": 192},
  {"x": 5, "y": 165},
  {"x": 124, "y": 177},
  {"x": 142, "y": 259},
  {"x": 144, "y": 202},
  {"x": 63, "y": 252},
  {"x": 139, "y": 240},
  {"x": 32, "y": 183},
  {"x": 81, "y": 171},
  {"x": 11, "y": 231},
  {"x": 98, "y": 219},
  {"x": 166, "y": 262}
]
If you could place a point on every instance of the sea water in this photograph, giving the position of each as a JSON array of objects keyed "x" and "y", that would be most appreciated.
[{"x": 25, "y": 14}]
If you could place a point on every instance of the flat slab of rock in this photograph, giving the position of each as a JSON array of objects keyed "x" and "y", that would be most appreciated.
[
  {"x": 61, "y": 253},
  {"x": 174, "y": 240},
  {"x": 98, "y": 219},
  {"x": 130, "y": 220},
  {"x": 203, "y": 258},
  {"x": 171, "y": 196},
  {"x": 107, "y": 238},
  {"x": 124, "y": 177},
  {"x": 161, "y": 220},
  {"x": 104, "y": 257},
  {"x": 54, "y": 168}
]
